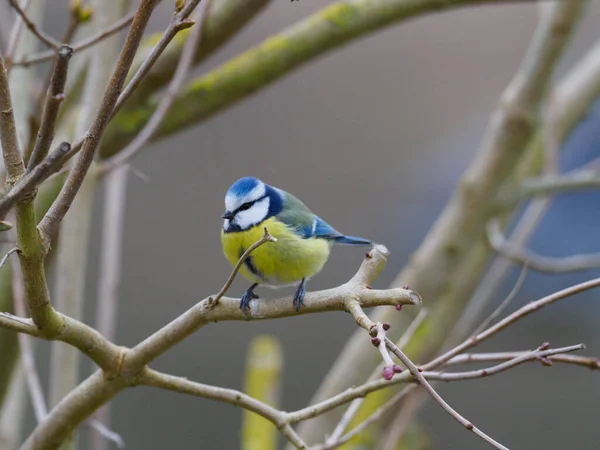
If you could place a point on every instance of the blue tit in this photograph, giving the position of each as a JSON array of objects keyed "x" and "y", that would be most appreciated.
[{"x": 304, "y": 240}]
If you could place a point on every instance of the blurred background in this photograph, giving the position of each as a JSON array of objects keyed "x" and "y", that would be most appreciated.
[{"x": 373, "y": 138}]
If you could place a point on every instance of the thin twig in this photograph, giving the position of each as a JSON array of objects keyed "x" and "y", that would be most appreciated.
[
  {"x": 332, "y": 443},
  {"x": 178, "y": 23},
  {"x": 45, "y": 38},
  {"x": 54, "y": 98},
  {"x": 183, "y": 67},
  {"x": 584, "y": 361},
  {"x": 439, "y": 400},
  {"x": 509, "y": 298},
  {"x": 263, "y": 240},
  {"x": 10, "y": 252},
  {"x": 15, "y": 33},
  {"x": 107, "y": 433},
  {"x": 538, "y": 354},
  {"x": 537, "y": 262},
  {"x": 81, "y": 45},
  {"x": 336, "y": 435},
  {"x": 33, "y": 178},
  {"x": 512, "y": 318},
  {"x": 51, "y": 221}
]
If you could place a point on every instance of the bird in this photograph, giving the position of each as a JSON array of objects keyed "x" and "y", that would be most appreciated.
[{"x": 304, "y": 240}]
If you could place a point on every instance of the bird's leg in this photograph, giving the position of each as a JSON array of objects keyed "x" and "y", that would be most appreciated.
[
  {"x": 246, "y": 297},
  {"x": 299, "y": 295}
]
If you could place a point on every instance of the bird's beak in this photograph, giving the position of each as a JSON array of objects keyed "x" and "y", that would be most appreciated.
[{"x": 227, "y": 215}]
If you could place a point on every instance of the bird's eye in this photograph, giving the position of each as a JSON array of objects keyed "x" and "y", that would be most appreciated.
[{"x": 245, "y": 206}]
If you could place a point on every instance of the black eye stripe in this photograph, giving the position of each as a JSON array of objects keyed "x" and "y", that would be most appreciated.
[{"x": 248, "y": 205}]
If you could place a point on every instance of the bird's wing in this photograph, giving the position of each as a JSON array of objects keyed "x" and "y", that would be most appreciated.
[{"x": 299, "y": 218}]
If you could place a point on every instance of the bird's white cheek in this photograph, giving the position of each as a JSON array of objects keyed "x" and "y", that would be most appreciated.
[
  {"x": 255, "y": 215},
  {"x": 225, "y": 224}
]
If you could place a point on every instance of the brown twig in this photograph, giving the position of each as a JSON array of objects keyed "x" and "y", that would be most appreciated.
[
  {"x": 438, "y": 399},
  {"x": 178, "y": 23},
  {"x": 81, "y": 45},
  {"x": 54, "y": 98},
  {"x": 265, "y": 238},
  {"x": 183, "y": 67},
  {"x": 51, "y": 221},
  {"x": 45, "y": 38}
]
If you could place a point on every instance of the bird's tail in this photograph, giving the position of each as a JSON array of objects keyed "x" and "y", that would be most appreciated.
[{"x": 352, "y": 240}]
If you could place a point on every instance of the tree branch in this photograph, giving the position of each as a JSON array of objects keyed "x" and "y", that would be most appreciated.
[
  {"x": 81, "y": 45},
  {"x": 183, "y": 67},
  {"x": 538, "y": 262},
  {"x": 335, "y": 299},
  {"x": 46, "y": 39},
  {"x": 272, "y": 60},
  {"x": 54, "y": 98},
  {"x": 51, "y": 221}
]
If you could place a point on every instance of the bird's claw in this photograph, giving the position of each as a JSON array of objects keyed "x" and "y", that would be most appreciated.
[
  {"x": 299, "y": 295},
  {"x": 247, "y": 297}
]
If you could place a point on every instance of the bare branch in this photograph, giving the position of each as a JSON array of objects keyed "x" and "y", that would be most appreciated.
[
  {"x": 15, "y": 33},
  {"x": 51, "y": 221},
  {"x": 585, "y": 361},
  {"x": 512, "y": 318},
  {"x": 183, "y": 67},
  {"x": 5, "y": 257},
  {"x": 46, "y": 39},
  {"x": 335, "y": 299},
  {"x": 178, "y": 23},
  {"x": 54, "y": 98},
  {"x": 33, "y": 178},
  {"x": 336, "y": 439},
  {"x": 81, "y": 45},
  {"x": 266, "y": 238},
  {"x": 438, "y": 399},
  {"x": 538, "y": 262}
]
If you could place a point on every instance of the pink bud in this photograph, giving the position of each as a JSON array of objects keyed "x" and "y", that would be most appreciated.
[
  {"x": 386, "y": 326},
  {"x": 399, "y": 307},
  {"x": 545, "y": 361},
  {"x": 405, "y": 287},
  {"x": 388, "y": 373},
  {"x": 376, "y": 341},
  {"x": 545, "y": 346},
  {"x": 397, "y": 368}
]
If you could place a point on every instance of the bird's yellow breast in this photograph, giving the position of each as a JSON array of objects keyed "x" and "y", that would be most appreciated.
[{"x": 286, "y": 261}]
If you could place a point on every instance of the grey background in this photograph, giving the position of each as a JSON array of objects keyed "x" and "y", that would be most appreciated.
[{"x": 373, "y": 138}]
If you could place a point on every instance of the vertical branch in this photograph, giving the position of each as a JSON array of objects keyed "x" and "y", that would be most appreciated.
[{"x": 110, "y": 272}]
